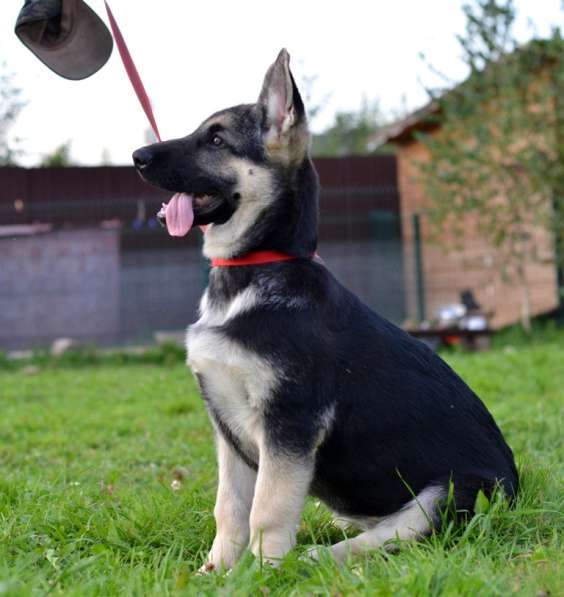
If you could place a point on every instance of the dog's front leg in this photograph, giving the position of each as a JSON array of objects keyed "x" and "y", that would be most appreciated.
[
  {"x": 232, "y": 508},
  {"x": 281, "y": 488}
]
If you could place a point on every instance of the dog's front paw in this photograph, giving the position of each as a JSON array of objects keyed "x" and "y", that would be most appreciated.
[
  {"x": 268, "y": 562},
  {"x": 207, "y": 568},
  {"x": 223, "y": 555}
]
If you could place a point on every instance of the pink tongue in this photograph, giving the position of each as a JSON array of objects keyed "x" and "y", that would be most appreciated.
[{"x": 179, "y": 214}]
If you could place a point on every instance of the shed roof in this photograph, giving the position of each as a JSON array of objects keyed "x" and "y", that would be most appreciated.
[{"x": 402, "y": 130}]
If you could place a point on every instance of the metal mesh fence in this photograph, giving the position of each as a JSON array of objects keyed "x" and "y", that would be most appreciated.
[{"x": 83, "y": 257}]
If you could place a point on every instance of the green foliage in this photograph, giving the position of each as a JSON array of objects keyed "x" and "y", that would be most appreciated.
[
  {"x": 10, "y": 106},
  {"x": 60, "y": 157},
  {"x": 167, "y": 353},
  {"x": 350, "y": 132},
  {"x": 499, "y": 154},
  {"x": 488, "y": 36},
  {"x": 87, "y": 506},
  {"x": 542, "y": 332},
  {"x": 482, "y": 503}
]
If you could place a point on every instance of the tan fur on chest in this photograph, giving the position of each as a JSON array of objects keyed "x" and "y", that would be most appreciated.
[{"x": 237, "y": 381}]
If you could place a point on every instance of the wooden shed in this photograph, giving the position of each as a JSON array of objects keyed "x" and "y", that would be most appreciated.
[{"x": 435, "y": 277}]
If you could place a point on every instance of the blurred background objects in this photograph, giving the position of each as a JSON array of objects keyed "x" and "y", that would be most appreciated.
[{"x": 418, "y": 205}]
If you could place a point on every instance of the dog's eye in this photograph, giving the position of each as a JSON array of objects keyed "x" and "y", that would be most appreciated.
[{"x": 216, "y": 140}]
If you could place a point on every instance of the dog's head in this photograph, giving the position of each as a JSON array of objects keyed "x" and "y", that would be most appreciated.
[{"x": 248, "y": 171}]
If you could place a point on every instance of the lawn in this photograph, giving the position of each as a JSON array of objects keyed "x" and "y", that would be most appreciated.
[{"x": 107, "y": 477}]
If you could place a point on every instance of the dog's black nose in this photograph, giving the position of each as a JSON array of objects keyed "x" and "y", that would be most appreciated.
[{"x": 142, "y": 158}]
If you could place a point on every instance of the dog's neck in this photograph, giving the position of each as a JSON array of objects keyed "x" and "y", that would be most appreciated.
[{"x": 284, "y": 220}]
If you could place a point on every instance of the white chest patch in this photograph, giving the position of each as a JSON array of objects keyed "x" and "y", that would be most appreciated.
[{"x": 237, "y": 381}]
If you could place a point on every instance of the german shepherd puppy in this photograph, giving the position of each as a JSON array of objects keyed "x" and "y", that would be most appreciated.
[{"x": 308, "y": 390}]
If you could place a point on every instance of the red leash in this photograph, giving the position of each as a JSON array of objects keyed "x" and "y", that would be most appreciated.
[{"x": 132, "y": 73}]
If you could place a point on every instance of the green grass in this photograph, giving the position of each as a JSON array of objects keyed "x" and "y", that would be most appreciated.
[{"x": 88, "y": 454}]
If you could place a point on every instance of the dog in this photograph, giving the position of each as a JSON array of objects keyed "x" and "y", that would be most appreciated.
[{"x": 308, "y": 390}]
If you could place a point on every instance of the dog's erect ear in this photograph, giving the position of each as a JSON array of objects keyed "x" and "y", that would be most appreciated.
[{"x": 280, "y": 101}]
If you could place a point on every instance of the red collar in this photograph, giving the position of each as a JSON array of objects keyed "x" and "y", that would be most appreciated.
[{"x": 254, "y": 258}]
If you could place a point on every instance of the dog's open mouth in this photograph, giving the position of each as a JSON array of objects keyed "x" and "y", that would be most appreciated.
[
  {"x": 204, "y": 204},
  {"x": 178, "y": 214}
]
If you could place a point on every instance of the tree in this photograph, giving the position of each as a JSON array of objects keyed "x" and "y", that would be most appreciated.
[
  {"x": 350, "y": 132},
  {"x": 60, "y": 157},
  {"x": 498, "y": 158},
  {"x": 10, "y": 106}
]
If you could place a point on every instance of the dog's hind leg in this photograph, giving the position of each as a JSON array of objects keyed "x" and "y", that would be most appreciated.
[
  {"x": 232, "y": 508},
  {"x": 417, "y": 518}
]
